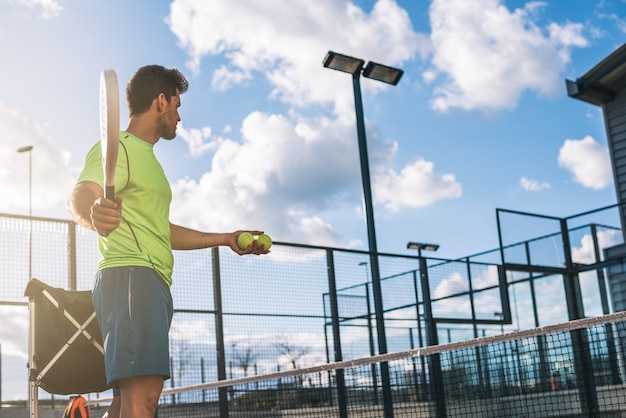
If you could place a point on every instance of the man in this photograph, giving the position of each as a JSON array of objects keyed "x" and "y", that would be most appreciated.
[{"x": 131, "y": 292}]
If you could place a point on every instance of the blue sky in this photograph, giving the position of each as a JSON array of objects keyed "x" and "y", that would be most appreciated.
[{"x": 480, "y": 120}]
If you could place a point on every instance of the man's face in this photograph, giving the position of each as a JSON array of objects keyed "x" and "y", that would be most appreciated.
[{"x": 169, "y": 118}]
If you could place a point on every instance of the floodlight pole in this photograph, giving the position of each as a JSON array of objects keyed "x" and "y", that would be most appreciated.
[
  {"x": 373, "y": 247},
  {"x": 354, "y": 67}
]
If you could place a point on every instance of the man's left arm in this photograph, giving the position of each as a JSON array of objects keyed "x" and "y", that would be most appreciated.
[{"x": 189, "y": 239}]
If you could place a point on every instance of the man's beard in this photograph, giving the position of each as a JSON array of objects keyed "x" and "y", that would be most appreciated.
[{"x": 164, "y": 130}]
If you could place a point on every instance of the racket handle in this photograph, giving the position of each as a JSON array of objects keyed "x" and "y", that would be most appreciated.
[{"x": 109, "y": 192}]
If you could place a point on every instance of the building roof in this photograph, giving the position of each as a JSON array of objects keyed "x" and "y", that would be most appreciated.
[{"x": 603, "y": 82}]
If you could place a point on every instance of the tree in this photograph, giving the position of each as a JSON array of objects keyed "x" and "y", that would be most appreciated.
[
  {"x": 293, "y": 352},
  {"x": 244, "y": 357}
]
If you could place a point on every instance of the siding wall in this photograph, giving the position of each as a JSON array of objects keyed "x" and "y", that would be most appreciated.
[{"x": 615, "y": 122}]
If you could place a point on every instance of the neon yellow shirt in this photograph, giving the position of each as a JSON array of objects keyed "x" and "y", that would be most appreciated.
[{"x": 143, "y": 236}]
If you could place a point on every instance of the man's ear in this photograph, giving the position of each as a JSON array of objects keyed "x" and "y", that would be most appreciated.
[{"x": 161, "y": 102}]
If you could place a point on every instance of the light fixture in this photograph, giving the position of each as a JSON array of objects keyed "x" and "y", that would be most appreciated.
[
  {"x": 344, "y": 63},
  {"x": 422, "y": 246},
  {"x": 382, "y": 73}
]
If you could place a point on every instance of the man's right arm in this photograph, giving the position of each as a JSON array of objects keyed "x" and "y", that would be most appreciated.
[{"x": 90, "y": 209}]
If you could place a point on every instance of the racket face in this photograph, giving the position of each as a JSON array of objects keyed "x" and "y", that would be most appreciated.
[{"x": 109, "y": 128}]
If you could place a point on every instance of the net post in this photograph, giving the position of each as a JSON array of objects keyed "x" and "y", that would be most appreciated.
[
  {"x": 437, "y": 387},
  {"x": 573, "y": 296},
  {"x": 71, "y": 254},
  {"x": 219, "y": 332},
  {"x": 370, "y": 334},
  {"x": 419, "y": 329},
  {"x": 334, "y": 308}
]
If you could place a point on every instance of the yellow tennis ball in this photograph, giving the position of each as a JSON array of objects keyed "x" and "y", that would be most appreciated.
[
  {"x": 244, "y": 240},
  {"x": 264, "y": 240}
]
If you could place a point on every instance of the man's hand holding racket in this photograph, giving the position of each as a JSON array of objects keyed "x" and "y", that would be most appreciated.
[
  {"x": 106, "y": 211},
  {"x": 106, "y": 215}
]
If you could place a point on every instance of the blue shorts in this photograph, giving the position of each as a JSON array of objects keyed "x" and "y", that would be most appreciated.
[{"x": 134, "y": 309}]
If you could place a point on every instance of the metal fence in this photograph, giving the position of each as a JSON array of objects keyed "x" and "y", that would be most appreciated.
[{"x": 237, "y": 316}]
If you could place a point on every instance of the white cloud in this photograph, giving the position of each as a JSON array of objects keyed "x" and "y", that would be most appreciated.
[
  {"x": 14, "y": 338},
  {"x": 588, "y": 161},
  {"x": 198, "y": 140},
  {"x": 486, "y": 278},
  {"x": 490, "y": 55},
  {"x": 50, "y": 8},
  {"x": 282, "y": 176},
  {"x": 485, "y": 303},
  {"x": 454, "y": 284},
  {"x": 51, "y": 183},
  {"x": 531, "y": 185},
  {"x": 585, "y": 253},
  {"x": 311, "y": 163},
  {"x": 223, "y": 78},
  {"x": 282, "y": 46},
  {"x": 618, "y": 21},
  {"x": 415, "y": 186},
  {"x": 285, "y": 176}
]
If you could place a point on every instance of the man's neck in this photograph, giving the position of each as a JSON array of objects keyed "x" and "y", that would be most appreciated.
[{"x": 142, "y": 127}]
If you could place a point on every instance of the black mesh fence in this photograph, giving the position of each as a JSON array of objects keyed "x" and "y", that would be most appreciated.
[
  {"x": 570, "y": 369},
  {"x": 274, "y": 313}
]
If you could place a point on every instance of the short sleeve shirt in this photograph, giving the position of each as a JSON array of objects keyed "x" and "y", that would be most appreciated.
[{"x": 143, "y": 236}]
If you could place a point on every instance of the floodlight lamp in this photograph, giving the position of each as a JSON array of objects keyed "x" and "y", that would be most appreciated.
[
  {"x": 25, "y": 149},
  {"x": 382, "y": 73},
  {"x": 343, "y": 63},
  {"x": 422, "y": 246}
]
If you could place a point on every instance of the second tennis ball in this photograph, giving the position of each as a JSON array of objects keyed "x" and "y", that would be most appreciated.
[
  {"x": 244, "y": 240},
  {"x": 264, "y": 240}
]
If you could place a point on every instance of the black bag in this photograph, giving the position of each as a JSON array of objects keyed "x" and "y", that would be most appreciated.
[{"x": 81, "y": 367}]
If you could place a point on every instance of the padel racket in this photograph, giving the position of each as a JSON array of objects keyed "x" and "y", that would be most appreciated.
[{"x": 109, "y": 128}]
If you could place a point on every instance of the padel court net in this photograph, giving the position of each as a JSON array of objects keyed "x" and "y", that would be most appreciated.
[{"x": 565, "y": 370}]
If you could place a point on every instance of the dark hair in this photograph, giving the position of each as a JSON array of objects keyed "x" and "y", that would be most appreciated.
[{"x": 150, "y": 81}]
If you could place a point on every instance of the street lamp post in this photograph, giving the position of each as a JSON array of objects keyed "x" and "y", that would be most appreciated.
[
  {"x": 28, "y": 149},
  {"x": 391, "y": 76}
]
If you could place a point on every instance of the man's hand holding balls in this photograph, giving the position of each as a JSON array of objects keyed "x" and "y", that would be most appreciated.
[{"x": 246, "y": 239}]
